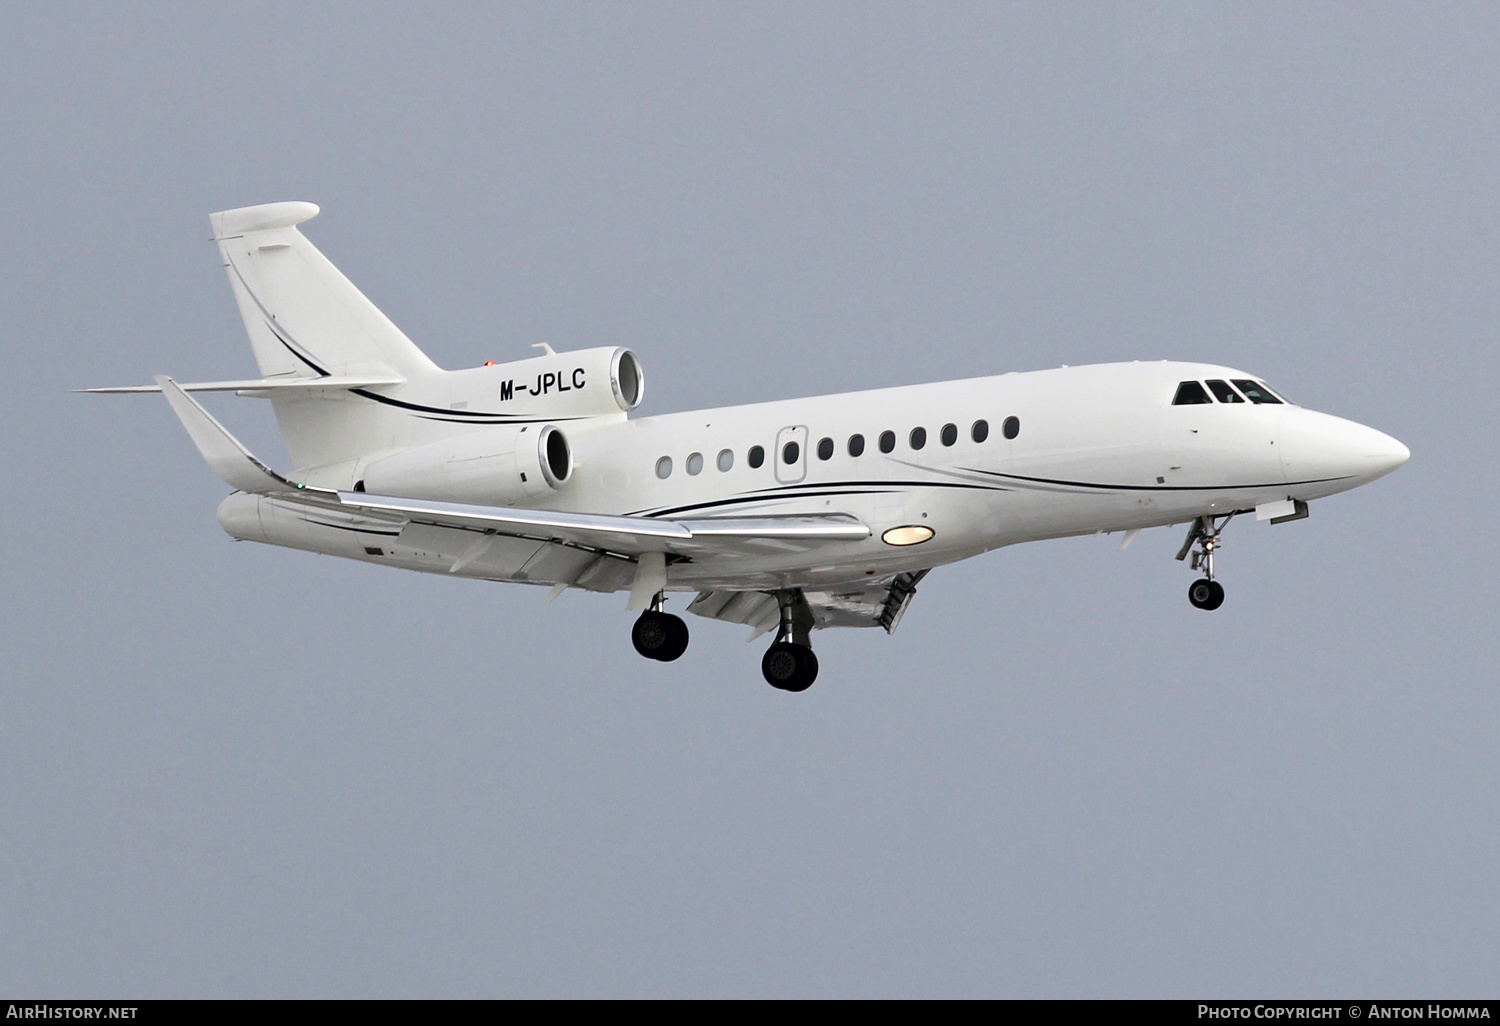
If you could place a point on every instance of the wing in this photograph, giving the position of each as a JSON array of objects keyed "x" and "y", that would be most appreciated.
[
  {"x": 874, "y": 603},
  {"x": 621, "y": 535},
  {"x": 223, "y": 452}
]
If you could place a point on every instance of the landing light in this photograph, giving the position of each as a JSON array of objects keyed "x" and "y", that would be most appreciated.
[{"x": 911, "y": 535}]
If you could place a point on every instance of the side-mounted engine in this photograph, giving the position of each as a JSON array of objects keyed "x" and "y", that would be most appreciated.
[{"x": 495, "y": 466}]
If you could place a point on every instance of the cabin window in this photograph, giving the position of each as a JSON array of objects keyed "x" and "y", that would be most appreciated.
[
  {"x": 695, "y": 464},
  {"x": 980, "y": 431},
  {"x": 918, "y": 437},
  {"x": 791, "y": 453},
  {"x": 825, "y": 449},
  {"x": 1190, "y": 393},
  {"x": 856, "y": 445},
  {"x": 756, "y": 456},
  {"x": 664, "y": 467},
  {"x": 887, "y": 441},
  {"x": 1011, "y": 428},
  {"x": 726, "y": 459},
  {"x": 1223, "y": 392},
  {"x": 949, "y": 434},
  {"x": 1256, "y": 393}
]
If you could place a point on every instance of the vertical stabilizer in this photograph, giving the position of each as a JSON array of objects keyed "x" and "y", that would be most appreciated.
[
  {"x": 306, "y": 320},
  {"x": 304, "y": 317}
]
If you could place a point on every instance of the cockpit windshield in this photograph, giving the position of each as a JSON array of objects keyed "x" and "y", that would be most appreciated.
[
  {"x": 1255, "y": 391},
  {"x": 1190, "y": 393},
  {"x": 1223, "y": 392}
]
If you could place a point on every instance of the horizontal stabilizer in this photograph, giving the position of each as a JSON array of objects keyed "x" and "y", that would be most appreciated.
[
  {"x": 278, "y": 385},
  {"x": 223, "y": 452}
]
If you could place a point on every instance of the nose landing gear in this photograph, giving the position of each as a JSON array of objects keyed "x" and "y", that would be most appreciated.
[
  {"x": 1202, "y": 541},
  {"x": 1206, "y": 594},
  {"x": 659, "y": 635},
  {"x": 789, "y": 664}
]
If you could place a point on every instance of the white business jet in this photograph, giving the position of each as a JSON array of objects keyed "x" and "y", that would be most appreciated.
[{"x": 785, "y": 516}]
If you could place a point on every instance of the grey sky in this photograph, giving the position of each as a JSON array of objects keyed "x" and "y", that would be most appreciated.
[{"x": 238, "y": 770}]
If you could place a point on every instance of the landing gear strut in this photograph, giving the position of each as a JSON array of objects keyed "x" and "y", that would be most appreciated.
[
  {"x": 659, "y": 635},
  {"x": 1202, "y": 541},
  {"x": 789, "y": 664}
]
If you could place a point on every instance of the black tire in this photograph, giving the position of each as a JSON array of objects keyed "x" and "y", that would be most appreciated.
[
  {"x": 809, "y": 668},
  {"x": 789, "y": 667},
  {"x": 652, "y": 634},
  {"x": 1201, "y": 593},
  {"x": 1217, "y": 598},
  {"x": 677, "y": 638}
]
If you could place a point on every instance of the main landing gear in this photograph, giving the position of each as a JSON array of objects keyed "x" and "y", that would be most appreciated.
[
  {"x": 659, "y": 635},
  {"x": 1202, "y": 541},
  {"x": 789, "y": 664}
]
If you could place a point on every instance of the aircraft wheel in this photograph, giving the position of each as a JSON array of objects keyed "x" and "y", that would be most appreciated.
[
  {"x": 677, "y": 638},
  {"x": 789, "y": 667},
  {"x": 1217, "y": 599},
  {"x": 1206, "y": 594},
  {"x": 660, "y": 636}
]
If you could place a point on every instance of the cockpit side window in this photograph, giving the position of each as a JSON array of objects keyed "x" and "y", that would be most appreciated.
[
  {"x": 1256, "y": 393},
  {"x": 1223, "y": 392},
  {"x": 1190, "y": 393}
]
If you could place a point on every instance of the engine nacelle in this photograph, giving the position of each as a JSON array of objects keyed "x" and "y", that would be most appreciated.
[
  {"x": 582, "y": 383},
  {"x": 498, "y": 466}
]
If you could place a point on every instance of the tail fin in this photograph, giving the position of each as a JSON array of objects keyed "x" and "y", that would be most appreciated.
[
  {"x": 306, "y": 320},
  {"x": 304, "y": 317}
]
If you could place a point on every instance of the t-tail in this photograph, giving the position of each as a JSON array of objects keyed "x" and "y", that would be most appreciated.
[
  {"x": 350, "y": 390},
  {"x": 307, "y": 321}
]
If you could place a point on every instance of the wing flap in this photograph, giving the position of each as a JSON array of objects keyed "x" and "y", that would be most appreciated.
[{"x": 874, "y": 603}]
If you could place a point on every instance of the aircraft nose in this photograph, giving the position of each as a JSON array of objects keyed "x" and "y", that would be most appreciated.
[
  {"x": 1386, "y": 453},
  {"x": 1316, "y": 446}
]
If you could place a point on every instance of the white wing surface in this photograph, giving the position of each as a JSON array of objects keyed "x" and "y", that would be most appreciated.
[
  {"x": 223, "y": 452},
  {"x": 623, "y": 535}
]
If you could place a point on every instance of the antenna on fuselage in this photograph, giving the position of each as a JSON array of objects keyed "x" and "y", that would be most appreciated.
[{"x": 543, "y": 345}]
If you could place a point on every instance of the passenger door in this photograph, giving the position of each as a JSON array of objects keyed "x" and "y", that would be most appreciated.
[{"x": 791, "y": 441}]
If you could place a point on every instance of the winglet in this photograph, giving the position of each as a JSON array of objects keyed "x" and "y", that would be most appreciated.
[{"x": 225, "y": 455}]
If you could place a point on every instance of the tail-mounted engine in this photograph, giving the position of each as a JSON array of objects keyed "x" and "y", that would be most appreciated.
[
  {"x": 585, "y": 383},
  {"x": 498, "y": 466}
]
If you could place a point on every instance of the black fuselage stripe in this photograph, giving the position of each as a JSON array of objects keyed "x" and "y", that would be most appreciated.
[
  {"x": 464, "y": 417},
  {"x": 892, "y": 483},
  {"x": 296, "y": 349},
  {"x": 1151, "y": 488},
  {"x": 343, "y": 527},
  {"x": 749, "y": 499},
  {"x": 817, "y": 491}
]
